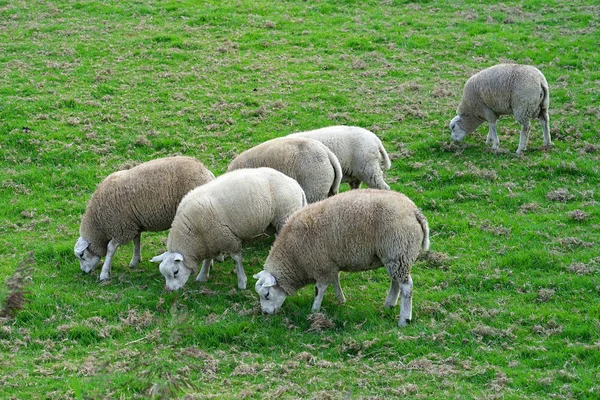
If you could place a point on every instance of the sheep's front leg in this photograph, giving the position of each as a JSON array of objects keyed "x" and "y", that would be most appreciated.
[
  {"x": 393, "y": 294},
  {"x": 524, "y": 136},
  {"x": 338, "y": 290},
  {"x": 406, "y": 303},
  {"x": 492, "y": 137},
  {"x": 239, "y": 270},
  {"x": 137, "y": 251},
  {"x": 110, "y": 252},
  {"x": 321, "y": 287},
  {"x": 205, "y": 270}
]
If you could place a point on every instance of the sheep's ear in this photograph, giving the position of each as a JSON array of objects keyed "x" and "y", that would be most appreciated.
[
  {"x": 265, "y": 278},
  {"x": 177, "y": 257},
  {"x": 158, "y": 258},
  {"x": 258, "y": 276},
  {"x": 81, "y": 245}
]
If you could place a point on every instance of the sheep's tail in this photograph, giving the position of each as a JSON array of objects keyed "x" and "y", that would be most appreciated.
[
  {"x": 337, "y": 168},
  {"x": 304, "y": 202},
  {"x": 425, "y": 227},
  {"x": 384, "y": 155},
  {"x": 545, "y": 98}
]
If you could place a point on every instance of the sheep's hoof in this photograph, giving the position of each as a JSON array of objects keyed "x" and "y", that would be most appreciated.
[
  {"x": 404, "y": 322},
  {"x": 104, "y": 277},
  {"x": 547, "y": 147}
]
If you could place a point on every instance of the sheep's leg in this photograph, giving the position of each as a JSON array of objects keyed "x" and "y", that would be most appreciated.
[
  {"x": 319, "y": 297},
  {"x": 492, "y": 137},
  {"x": 239, "y": 270},
  {"x": 393, "y": 294},
  {"x": 372, "y": 176},
  {"x": 338, "y": 290},
  {"x": 354, "y": 183},
  {"x": 110, "y": 252},
  {"x": 137, "y": 251},
  {"x": 406, "y": 304},
  {"x": 205, "y": 270},
  {"x": 524, "y": 136},
  {"x": 545, "y": 121}
]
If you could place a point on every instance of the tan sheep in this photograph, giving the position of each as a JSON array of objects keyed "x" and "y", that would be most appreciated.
[
  {"x": 353, "y": 231},
  {"x": 308, "y": 161},
  {"x": 129, "y": 202}
]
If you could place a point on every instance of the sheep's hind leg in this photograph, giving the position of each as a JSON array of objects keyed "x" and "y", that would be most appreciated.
[
  {"x": 205, "y": 270},
  {"x": 319, "y": 297},
  {"x": 110, "y": 252},
  {"x": 239, "y": 270},
  {"x": 406, "y": 304},
  {"x": 524, "y": 136},
  {"x": 137, "y": 251},
  {"x": 545, "y": 121},
  {"x": 338, "y": 290}
]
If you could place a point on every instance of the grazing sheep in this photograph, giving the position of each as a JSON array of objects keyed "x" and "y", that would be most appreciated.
[
  {"x": 359, "y": 151},
  {"x": 308, "y": 161},
  {"x": 503, "y": 89},
  {"x": 218, "y": 216},
  {"x": 129, "y": 202},
  {"x": 353, "y": 231}
]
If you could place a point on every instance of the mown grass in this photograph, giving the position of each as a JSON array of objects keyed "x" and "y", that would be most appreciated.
[{"x": 505, "y": 306}]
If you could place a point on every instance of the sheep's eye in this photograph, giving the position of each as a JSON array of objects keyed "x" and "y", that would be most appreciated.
[
  {"x": 175, "y": 272},
  {"x": 452, "y": 125}
]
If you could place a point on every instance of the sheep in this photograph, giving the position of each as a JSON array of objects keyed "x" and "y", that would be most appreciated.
[
  {"x": 308, "y": 161},
  {"x": 520, "y": 90},
  {"x": 129, "y": 202},
  {"x": 356, "y": 230},
  {"x": 219, "y": 215},
  {"x": 359, "y": 151}
]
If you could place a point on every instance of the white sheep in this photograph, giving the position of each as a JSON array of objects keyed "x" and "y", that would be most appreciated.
[
  {"x": 359, "y": 151},
  {"x": 129, "y": 202},
  {"x": 503, "y": 89},
  {"x": 308, "y": 161},
  {"x": 218, "y": 216},
  {"x": 353, "y": 231}
]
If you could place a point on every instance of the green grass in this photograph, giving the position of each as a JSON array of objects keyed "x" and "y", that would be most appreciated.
[{"x": 507, "y": 306}]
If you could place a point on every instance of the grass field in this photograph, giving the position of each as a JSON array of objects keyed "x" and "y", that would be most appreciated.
[{"x": 507, "y": 305}]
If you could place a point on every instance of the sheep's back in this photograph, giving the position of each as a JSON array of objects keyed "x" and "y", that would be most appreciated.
[
  {"x": 145, "y": 197},
  {"x": 502, "y": 88}
]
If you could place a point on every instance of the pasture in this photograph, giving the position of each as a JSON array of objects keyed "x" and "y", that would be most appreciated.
[{"x": 507, "y": 303}]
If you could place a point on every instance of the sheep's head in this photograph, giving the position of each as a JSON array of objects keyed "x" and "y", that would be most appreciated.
[
  {"x": 458, "y": 133},
  {"x": 173, "y": 268},
  {"x": 87, "y": 260},
  {"x": 271, "y": 295}
]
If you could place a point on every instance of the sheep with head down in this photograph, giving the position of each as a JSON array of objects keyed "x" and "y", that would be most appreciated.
[
  {"x": 353, "y": 231},
  {"x": 308, "y": 161},
  {"x": 129, "y": 202},
  {"x": 359, "y": 151},
  {"x": 520, "y": 90},
  {"x": 219, "y": 216}
]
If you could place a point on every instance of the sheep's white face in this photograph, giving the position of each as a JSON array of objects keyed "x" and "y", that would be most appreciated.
[
  {"x": 87, "y": 260},
  {"x": 271, "y": 295},
  {"x": 173, "y": 269},
  {"x": 458, "y": 133}
]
